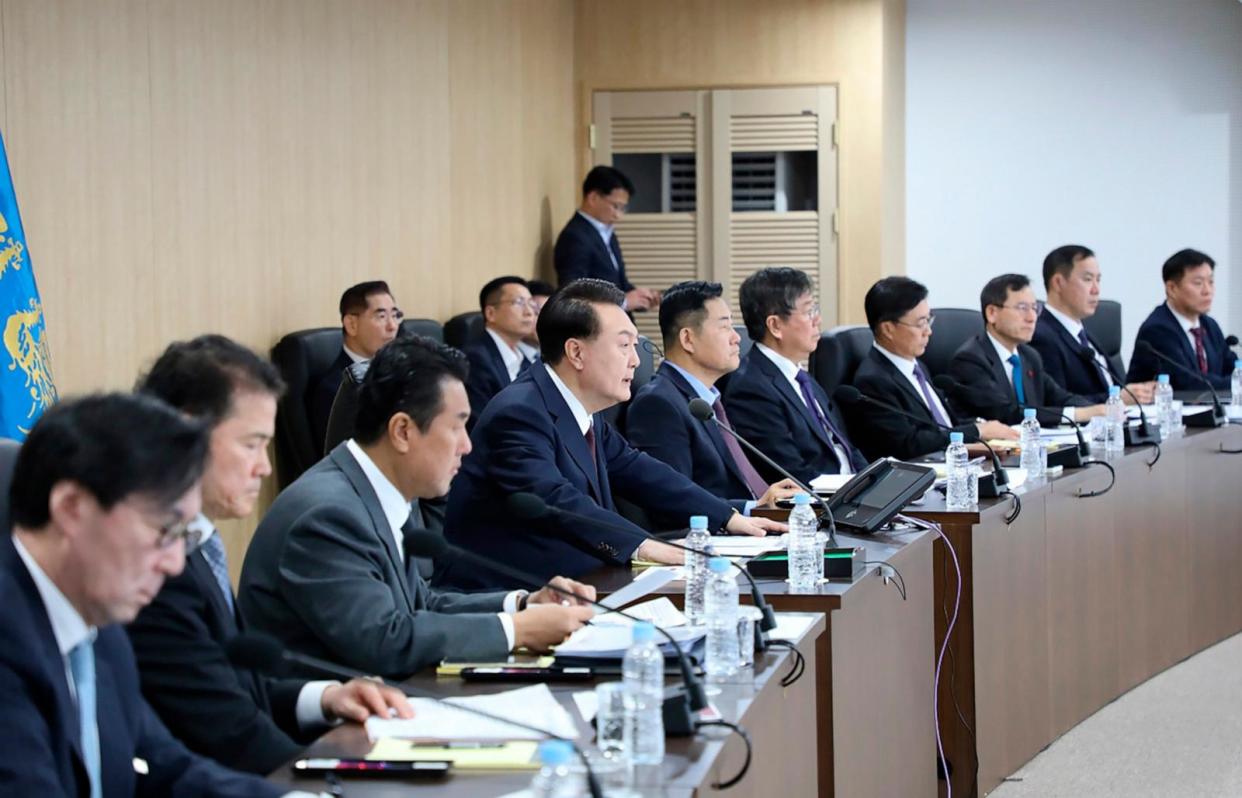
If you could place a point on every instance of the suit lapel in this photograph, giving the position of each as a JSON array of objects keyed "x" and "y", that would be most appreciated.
[
  {"x": 900, "y": 380},
  {"x": 713, "y": 434},
  {"x": 498, "y": 360},
  {"x": 200, "y": 572},
  {"x": 567, "y": 428},
  {"x": 999, "y": 370},
  {"x": 1188, "y": 351},
  {"x": 792, "y": 396},
  {"x": 1075, "y": 345}
]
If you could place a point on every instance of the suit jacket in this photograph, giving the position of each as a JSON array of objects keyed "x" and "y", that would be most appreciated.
[
  {"x": 771, "y": 414},
  {"x": 322, "y": 395},
  {"x": 1161, "y": 330},
  {"x": 528, "y": 440},
  {"x": 580, "y": 252},
  {"x": 324, "y": 575},
  {"x": 40, "y": 737},
  {"x": 235, "y": 716},
  {"x": 658, "y": 422},
  {"x": 487, "y": 375},
  {"x": 986, "y": 391},
  {"x": 880, "y": 433},
  {"x": 1065, "y": 363}
]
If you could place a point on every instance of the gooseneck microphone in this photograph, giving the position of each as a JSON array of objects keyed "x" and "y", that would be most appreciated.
[
  {"x": 949, "y": 385},
  {"x": 1219, "y": 416},
  {"x": 1146, "y": 434},
  {"x": 702, "y": 411},
  {"x": 259, "y": 652}
]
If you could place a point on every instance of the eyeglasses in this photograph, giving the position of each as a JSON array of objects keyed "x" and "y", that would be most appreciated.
[
  {"x": 519, "y": 303},
  {"x": 811, "y": 312},
  {"x": 619, "y": 207},
  {"x": 382, "y": 316},
  {"x": 177, "y": 530},
  {"x": 924, "y": 323},
  {"x": 1026, "y": 307}
]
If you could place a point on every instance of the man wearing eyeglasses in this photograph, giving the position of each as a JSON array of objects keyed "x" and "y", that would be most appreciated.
[
  {"x": 102, "y": 490},
  {"x": 1000, "y": 373},
  {"x": 239, "y": 718},
  {"x": 370, "y": 318},
  {"x": 497, "y": 358}
]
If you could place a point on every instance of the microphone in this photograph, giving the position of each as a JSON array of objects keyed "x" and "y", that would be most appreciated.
[
  {"x": 259, "y": 652},
  {"x": 1142, "y": 436},
  {"x": 529, "y": 507},
  {"x": 1231, "y": 341},
  {"x": 428, "y": 544},
  {"x": 848, "y": 394},
  {"x": 1218, "y": 410},
  {"x": 702, "y": 411}
]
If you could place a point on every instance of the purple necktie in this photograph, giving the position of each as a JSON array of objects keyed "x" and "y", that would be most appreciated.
[
  {"x": 1200, "y": 351},
  {"x": 753, "y": 481},
  {"x": 835, "y": 437},
  {"x": 927, "y": 395}
]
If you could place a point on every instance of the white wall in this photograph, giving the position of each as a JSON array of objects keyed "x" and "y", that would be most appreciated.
[{"x": 1116, "y": 124}]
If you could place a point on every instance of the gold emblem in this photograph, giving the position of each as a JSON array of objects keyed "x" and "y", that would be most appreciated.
[
  {"x": 26, "y": 342},
  {"x": 11, "y": 249}
]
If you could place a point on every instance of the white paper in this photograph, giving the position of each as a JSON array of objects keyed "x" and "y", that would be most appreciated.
[
  {"x": 830, "y": 483},
  {"x": 1191, "y": 410},
  {"x": 1058, "y": 435},
  {"x": 746, "y": 546},
  {"x": 437, "y": 720},
  {"x": 659, "y": 611},
  {"x": 790, "y": 627},
  {"x": 610, "y": 641},
  {"x": 588, "y": 704},
  {"x": 647, "y": 581}
]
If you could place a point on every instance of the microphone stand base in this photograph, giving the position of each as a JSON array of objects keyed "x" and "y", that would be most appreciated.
[
  {"x": 1136, "y": 437},
  {"x": 1208, "y": 419},
  {"x": 678, "y": 717}
]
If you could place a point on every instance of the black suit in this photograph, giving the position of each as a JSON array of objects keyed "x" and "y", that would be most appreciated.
[
  {"x": 235, "y": 716},
  {"x": 987, "y": 392},
  {"x": 1065, "y": 362},
  {"x": 1162, "y": 330},
  {"x": 488, "y": 374},
  {"x": 580, "y": 252},
  {"x": 881, "y": 433},
  {"x": 322, "y": 395}
]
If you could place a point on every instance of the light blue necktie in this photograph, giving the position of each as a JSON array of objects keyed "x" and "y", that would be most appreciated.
[
  {"x": 82, "y": 666},
  {"x": 213, "y": 552},
  {"x": 1017, "y": 379}
]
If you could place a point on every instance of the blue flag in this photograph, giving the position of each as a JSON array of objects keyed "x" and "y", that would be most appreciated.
[{"x": 26, "y": 387}]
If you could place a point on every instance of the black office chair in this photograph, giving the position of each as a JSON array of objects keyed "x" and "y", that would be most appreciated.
[
  {"x": 952, "y": 329},
  {"x": 8, "y": 459},
  {"x": 463, "y": 328},
  {"x": 302, "y": 358},
  {"x": 428, "y": 328},
  {"x": 345, "y": 406},
  {"x": 1105, "y": 326},
  {"x": 838, "y": 355}
]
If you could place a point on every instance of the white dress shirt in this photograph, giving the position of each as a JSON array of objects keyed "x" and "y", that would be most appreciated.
[
  {"x": 512, "y": 358},
  {"x": 354, "y": 356},
  {"x": 575, "y": 406},
  {"x": 1004, "y": 353},
  {"x": 790, "y": 369},
  {"x": 397, "y": 511},
  {"x": 1186, "y": 324},
  {"x": 907, "y": 367},
  {"x": 605, "y": 232},
  {"x": 68, "y": 626},
  {"x": 1074, "y": 327}
]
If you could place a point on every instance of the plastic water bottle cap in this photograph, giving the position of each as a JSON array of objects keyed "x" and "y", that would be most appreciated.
[
  {"x": 1029, "y": 413},
  {"x": 718, "y": 565},
  {"x": 1114, "y": 390},
  {"x": 802, "y": 498},
  {"x": 1163, "y": 379},
  {"x": 643, "y": 632},
  {"x": 555, "y": 752},
  {"x": 698, "y": 522},
  {"x": 956, "y": 437}
]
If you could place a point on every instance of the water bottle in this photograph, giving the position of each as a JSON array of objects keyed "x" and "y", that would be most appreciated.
[
  {"x": 722, "y": 650},
  {"x": 1164, "y": 406},
  {"x": 957, "y": 473},
  {"x": 803, "y": 545},
  {"x": 1115, "y": 414},
  {"x": 642, "y": 671},
  {"x": 557, "y": 778},
  {"x": 696, "y": 569},
  {"x": 1236, "y": 401},
  {"x": 1032, "y": 460}
]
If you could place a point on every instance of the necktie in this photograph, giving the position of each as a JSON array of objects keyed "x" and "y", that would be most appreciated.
[
  {"x": 1086, "y": 345},
  {"x": 753, "y": 481},
  {"x": 590, "y": 439},
  {"x": 808, "y": 395},
  {"x": 217, "y": 560},
  {"x": 919, "y": 374},
  {"x": 1200, "y": 352},
  {"x": 82, "y": 667},
  {"x": 1018, "y": 391},
  {"x": 523, "y": 365}
]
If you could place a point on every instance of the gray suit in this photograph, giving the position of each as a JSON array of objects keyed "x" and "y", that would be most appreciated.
[{"x": 324, "y": 576}]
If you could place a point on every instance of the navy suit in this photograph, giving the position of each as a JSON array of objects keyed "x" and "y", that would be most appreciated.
[
  {"x": 528, "y": 440},
  {"x": 987, "y": 392},
  {"x": 1065, "y": 362},
  {"x": 1163, "y": 332},
  {"x": 322, "y": 394},
  {"x": 488, "y": 374},
  {"x": 40, "y": 738},
  {"x": 658, "y": 422},
  {"x": 771, "y": 414},
  {"x": 580, "y": 252}
]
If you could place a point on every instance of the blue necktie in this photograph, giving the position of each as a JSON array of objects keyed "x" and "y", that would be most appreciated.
[
  {"x": 213, "y": 551},
  {"x": 82, "y": 667},
  {"x": 1017, "y": 379}
]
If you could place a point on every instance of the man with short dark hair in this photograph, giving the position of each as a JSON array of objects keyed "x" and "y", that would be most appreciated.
[
  {"x": 103, "y": 490},
  {"x": 328, "y": 572},
  {"x": 700, "y": 347},
  {"x": 1072, "y": 357},
  {"x": 370, "y": 318},
  {"x": 771, "y": 399},
  {"x": 501, "y": 354},
  {"x": 540, "y": 292},
  {"x": 1181, "y": 328},
  {"x": 241, "y": 719},
  {"x": 1000, "y": 374},
  {"x": 588, "y": 247},
  {"x": 541, "y": 435},
  {"x": 901, "y": 320}
]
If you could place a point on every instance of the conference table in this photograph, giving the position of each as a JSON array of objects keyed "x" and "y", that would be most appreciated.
[{"x": 780, "y": 720}]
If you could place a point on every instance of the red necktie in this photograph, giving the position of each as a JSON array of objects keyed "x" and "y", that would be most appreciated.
[
  {"x": 590, "y": 439},
  {"x": 1200, "y": 352}
]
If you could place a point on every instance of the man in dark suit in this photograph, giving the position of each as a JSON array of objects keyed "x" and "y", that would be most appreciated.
[
  {"x": 1182, "y": 329},
  {"x": 1000, "y": 375},
  {"x": 587, "y": 245},
  {"x": 1071, "y": 355},
  {"x": 239, "y": 718},
  {"x": 540, "y": 292},
  {"x": 102, "y": 491},
  {"x": 370, "y": 318},
  {"x": 328, "y": 572},
  {"x": 541, "y": 435},
  {"x": 501, "y": 354},
  {"x": 771, "y": 399},
  {"x": 900, "y": 318},
  {"x": 700, "y": 347}
]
